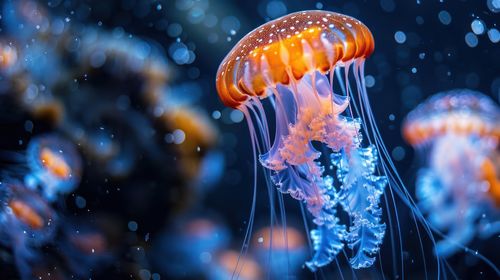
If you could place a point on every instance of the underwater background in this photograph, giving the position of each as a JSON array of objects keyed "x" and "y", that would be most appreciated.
[{"x": 162, "y": 186}]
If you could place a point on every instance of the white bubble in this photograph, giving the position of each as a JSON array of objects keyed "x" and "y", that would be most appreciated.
[
  {"x": 80, "y": 202},
  {"x": 471, "y": 39},
  {"x": 369, "y": 81},
  {"x": 230, "y": 23},
  {"x": 180, "y": 53},
  {"x": 179, "y": 136},
  {"x": 477, "y": 26},
  {"x": 196, "y": 15},
  {"x": 444, "y": 17},
  {"x": 398, "y": 153},
  {"x": 388, "y": 5},
  {"x": 494, "y": 35},
  {"x": 132, "y": 225},
  {"x": 216, "y": 114},
  {"x": 275, "y": 9},
  {"x": 236, "y": 116},
  {"x": 400, "y": 37},
  {"x": 174, "y": 30}
]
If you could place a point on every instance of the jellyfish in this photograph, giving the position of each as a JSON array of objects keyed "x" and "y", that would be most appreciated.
[
  {"x": 8, "y": 57},
  {"x": 86, "y": 248},
  {"x": 229, "y": 264},
  {"x": 55, "y": 166},
  {"x": 279, "y": 249},
  {"x": 194, "y": 241},
  {"x": 318, "y": 155},
  {"x": 457, "y": 134},
  {"x": 27, "y": 222}
]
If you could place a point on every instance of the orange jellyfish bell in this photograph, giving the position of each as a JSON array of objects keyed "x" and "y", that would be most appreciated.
[
  {"x": 461, "y": 112},
  {"x": 288, "y": 48}
]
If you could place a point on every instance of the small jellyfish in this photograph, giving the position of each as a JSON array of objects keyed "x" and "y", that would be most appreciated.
[
  {"x": 27, "y": 222},
  {"x": 55, "y": 166},
  {"x": 86, "y": 248},
  {"x": 230, "y": 264},
  {"x": 194, "y": 242},
  {"x": 326, "y": 145},
  {"x": 280, "y": 251},
  {"x": 457, "y": 133},
  {"x": 8, "y": 57}
]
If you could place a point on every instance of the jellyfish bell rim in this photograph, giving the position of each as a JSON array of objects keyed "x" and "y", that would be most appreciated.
[
  {"x": 458, "y": 111},
  {"x": 234, "y": 92}
]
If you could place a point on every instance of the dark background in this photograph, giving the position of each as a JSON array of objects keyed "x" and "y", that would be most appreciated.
[{"x": 448, "y": 63}]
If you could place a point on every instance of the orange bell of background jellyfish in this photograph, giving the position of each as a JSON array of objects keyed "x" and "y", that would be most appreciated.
[
  {"x": 296, "y": 63},
  {"x": 458, "y": 132}
]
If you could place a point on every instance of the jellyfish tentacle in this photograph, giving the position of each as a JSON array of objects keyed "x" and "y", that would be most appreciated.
[
  {"x": 299, "y": 172},
  {"x": 327, "y": 243},
  {"x": 360, "y": 197}
]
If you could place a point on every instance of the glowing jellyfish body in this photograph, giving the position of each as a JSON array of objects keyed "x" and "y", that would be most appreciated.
[
  {"x": 292, "y": 61},
  {"x": 278, "y": 255},
  {"x": 458, "y": 133},
  {"x": 230, "y": 264},
  {"x": 26, "y": 223},
  {"x": 194, "y": 242},
  {"x": 86, "y": 248},
  {"x": 55, "y": 166},
  {"x": 8, "y": 57}
]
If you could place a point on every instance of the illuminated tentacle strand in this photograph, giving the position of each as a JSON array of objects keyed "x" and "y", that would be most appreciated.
[
  {"x": 360, "y": 197},
  {"x": 299, "y": 172}
]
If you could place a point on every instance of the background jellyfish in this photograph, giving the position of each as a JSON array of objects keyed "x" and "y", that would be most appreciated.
[
  {"x": 108, "y": 93},
  {"x": 457, "y": 133},
  {"x": 85, "y": 247},
  {"x": 293, "y": 61},
  {"x": 229, "y": 264},
  {"x": 50, "y": 164},
  {"x": 27, "y": 222},
  {"x": 280, "y": 249},
  {"x": 55, "y": 165},
  {"x": 135, "y": 121},
  {"x": 195, "y": 241},
  {"x": 138, "y": 116}
]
